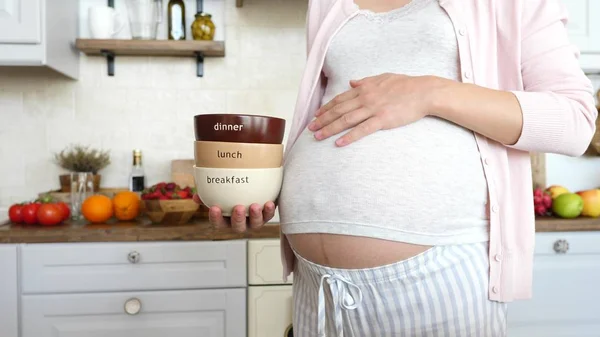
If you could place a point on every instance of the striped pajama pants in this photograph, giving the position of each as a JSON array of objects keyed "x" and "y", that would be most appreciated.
[{"x": 439, "y": 293}]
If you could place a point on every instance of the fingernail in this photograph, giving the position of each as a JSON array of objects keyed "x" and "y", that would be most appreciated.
[
  {"x": 319, "y": 135},
  {"x": 312, "y": 126},
  {"x": 341, "y": 142}
]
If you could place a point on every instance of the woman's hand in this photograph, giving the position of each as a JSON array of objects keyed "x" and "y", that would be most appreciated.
[
  {"x": 374, "y": 103},
  {"x": 238, "y": 220}
]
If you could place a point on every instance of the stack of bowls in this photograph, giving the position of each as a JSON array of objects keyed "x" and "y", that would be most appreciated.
[{"x": 238, "y": 159}]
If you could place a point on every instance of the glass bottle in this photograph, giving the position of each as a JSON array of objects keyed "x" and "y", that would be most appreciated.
[
  {"x": 137, "y": 176},
  {"x": 176, "y": 20}
]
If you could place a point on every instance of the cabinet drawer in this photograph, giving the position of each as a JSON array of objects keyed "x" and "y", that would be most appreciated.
[
  {"x": 207, "y": 313},
  {"x": 264, "y": 262},
  {"x": 566, "y": 297},
  {"x": 87, "y": 267},
  {"x": 270, "y": 311}
]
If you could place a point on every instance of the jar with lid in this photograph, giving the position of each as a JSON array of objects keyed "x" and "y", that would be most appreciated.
[{"x": 203, "y": 28}]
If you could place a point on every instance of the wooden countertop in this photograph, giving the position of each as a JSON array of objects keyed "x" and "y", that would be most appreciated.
[
  {"x": 200, "y": 230},
  {"x": 550, "y": 224},
  {"x": 141, "y": 230}
]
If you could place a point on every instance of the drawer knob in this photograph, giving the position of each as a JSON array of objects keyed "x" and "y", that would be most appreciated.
[
  {"x": 133, "y": 306},
  {"x": 561, "y": 246},
  {"x": 134, "y": 257}
]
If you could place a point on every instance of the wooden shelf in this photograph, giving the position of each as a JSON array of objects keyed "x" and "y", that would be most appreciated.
[
  {"x": 552, "y": 224},
  {"x": 152, "y": 47},
  {"x": 189, "y": 48}
]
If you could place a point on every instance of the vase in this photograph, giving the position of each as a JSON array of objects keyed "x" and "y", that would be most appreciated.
[{"x": 65, "y": 182}]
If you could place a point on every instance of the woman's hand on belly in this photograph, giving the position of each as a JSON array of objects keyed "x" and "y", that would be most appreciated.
[
  {"x": 258, "y": 216},
  {"x": 374, "y": 103}
]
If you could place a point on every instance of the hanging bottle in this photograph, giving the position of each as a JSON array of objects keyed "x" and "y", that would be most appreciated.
[{"x": 176, "y": 20}]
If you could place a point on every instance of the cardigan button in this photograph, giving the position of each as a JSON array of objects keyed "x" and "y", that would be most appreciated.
[
  {"x": 498, "y": 257},
  {"x": 495, "y": 208},
  {"x": 495, "y": 290},
  {"x": 462, "y": 32}
]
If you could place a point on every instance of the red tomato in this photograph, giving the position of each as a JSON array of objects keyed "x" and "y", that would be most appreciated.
[
  {"x": 30, "y": 213},
  {"x": 65, "y": 210},
  {"x": 15, "y": 213},
  {"x": 49, "y": 215}
]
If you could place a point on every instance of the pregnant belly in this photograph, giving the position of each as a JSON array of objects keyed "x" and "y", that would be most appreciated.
[
  {"x": 351, "y": 252},
  {"x": 425, "y": 178}
]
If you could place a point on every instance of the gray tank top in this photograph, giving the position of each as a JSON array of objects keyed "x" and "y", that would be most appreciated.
[{"x": 422, "y": 183}]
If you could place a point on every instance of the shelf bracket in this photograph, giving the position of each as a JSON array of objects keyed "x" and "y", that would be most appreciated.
[
  {"x": 199, "y": 64},
  {"x": 110, "y": 61},
  {"x": 111, "y": 3}
]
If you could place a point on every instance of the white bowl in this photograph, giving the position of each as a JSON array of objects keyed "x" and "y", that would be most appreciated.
[{"x": 229, "y": 187}]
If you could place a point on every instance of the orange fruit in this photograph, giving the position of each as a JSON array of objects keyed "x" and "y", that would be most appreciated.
[
  {"x": 97, "y": 208},
  {"x": 126, "y": 205}
]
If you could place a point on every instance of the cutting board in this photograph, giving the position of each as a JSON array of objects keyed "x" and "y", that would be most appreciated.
[{"x": 182, "y": 172}]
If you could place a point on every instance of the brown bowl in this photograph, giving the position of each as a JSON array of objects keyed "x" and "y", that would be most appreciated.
[
  {"x": 172, "y": 212},
  {"x": 237, "y": 155},
  {"x": 239, "y": 128}
]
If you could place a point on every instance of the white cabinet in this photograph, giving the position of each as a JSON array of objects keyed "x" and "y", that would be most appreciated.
[
  {"x": 9, "y": 293},
  {"x": 584, "y": 30},
  {"x": 40, "y": 33},
  {"x": 264, "y": 262},
  {"x": 270, "y": 311},
  {"x": 566, "y": 289},
  {"x": 124, "y": 266},
  {"x": 191, "y": 313},
  {"x": 269, "y": 300},
  {"x": 20, "y": 21}
]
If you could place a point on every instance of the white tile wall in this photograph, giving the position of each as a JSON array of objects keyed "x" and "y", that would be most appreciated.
[{"x": 150, "y": 102}]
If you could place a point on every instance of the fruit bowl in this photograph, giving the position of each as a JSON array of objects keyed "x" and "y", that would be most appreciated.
[
  {"x": 168, "y": 203},
  {"x": 226, "y": 188},
  {"x": 239, "y": 128},
  {"x": 175, "y": 212}
]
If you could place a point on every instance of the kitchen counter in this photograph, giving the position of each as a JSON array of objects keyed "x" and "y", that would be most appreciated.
[
  {"x": 550, "y": 224},
  {"x": 199, "y": 230},
  {"x": 142, "y": 230}
]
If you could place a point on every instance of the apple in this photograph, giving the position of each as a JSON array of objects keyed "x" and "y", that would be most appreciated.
[{"x": 591, "y": 202}]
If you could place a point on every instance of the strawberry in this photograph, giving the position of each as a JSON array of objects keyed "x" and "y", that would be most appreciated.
[
  {"x": 162, "y": 197},
  {"x": 153, "y": 196},
  {"x": 170, "y": 186},
  {"x": 160, "y": 185},
  {"x": 183, "y": 194},
  {"x": 169, "y": 195}
]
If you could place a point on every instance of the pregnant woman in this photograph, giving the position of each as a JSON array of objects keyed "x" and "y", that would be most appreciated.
[{"x": 406, "y": 207}]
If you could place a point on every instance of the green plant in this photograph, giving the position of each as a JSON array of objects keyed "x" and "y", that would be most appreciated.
[{"x": 78, "y": 158}]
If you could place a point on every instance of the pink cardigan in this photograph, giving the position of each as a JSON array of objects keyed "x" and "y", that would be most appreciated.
[{"x": 515, "y": 45}]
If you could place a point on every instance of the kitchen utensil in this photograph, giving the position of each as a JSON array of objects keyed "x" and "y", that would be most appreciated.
[
  {"x": 144, "y": 18},
  {"x": 104, "y": 22},
  {"x": 239, "y": 128},
  {"x": 227, "y": 188},
  {"x": 238, "y": 155},
  {"x": 170, "y": 212},
  {"x": 82, "y": 187}
]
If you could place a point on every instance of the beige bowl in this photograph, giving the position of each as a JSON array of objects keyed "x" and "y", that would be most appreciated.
[
  {"x": 228, "y": 188},
  {"x": 238, "y": 155}
]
